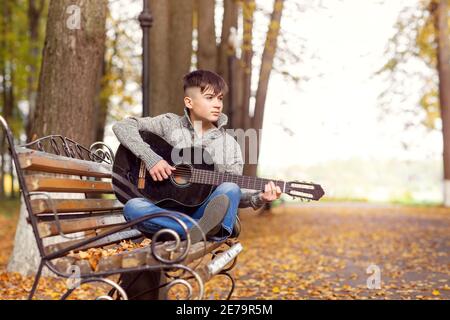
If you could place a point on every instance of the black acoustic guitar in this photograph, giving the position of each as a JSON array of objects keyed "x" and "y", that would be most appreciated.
[{"x": 194, "y": 179}]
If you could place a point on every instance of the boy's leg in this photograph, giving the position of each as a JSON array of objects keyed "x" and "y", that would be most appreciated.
[
  {"x": 233, "y": 192},
  {"x": 138, "y": 207},
  {"x": 213, "y": 215}
]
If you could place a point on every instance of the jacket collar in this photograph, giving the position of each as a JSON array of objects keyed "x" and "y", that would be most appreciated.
[{"x": 222, "y": 121}]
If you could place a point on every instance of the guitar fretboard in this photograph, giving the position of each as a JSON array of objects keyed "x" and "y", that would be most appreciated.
[{"x": 246, "y": 182}]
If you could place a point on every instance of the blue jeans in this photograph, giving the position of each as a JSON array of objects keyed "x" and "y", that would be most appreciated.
[{"x": 138, "y": 207}]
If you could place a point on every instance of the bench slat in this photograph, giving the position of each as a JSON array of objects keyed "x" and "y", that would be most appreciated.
[
  {"x": 114, "y": 238},
  {"x": 48, "y": 229},
  {"x": 137, "y": 258},
  {"x": 140, "y": 257},
  {"x": 46, "y": 162},
  {"x": 42, "y": 183},
  {"x": 82, "y": 205}
]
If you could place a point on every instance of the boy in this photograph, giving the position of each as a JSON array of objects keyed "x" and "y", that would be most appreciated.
[{"x": 204, "y": 122}]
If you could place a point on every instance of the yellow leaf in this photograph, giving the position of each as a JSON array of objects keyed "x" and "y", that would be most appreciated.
[
  {"x": 84, "y": 255},
  {"x": 276, "y": 290},
  {"x": 436, "y": 293}
]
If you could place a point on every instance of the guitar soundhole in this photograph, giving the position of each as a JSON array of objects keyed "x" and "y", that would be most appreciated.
[{"x": 182, "y": 175}]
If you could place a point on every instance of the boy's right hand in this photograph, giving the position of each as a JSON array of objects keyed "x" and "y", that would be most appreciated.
[{"x": 161, "y": 170}]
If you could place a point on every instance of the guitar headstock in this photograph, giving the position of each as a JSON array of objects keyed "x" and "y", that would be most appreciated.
[{"x": 304, "y": 190}]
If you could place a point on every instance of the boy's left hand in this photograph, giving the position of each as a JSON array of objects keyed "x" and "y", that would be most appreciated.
[{"x": 271, "y": 192}]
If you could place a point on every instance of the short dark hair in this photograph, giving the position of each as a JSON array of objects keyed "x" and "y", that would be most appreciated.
[{"x": 205, "y": 79}]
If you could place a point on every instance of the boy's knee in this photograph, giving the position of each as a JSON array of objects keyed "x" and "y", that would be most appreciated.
[
  {"x": 230, "y": 187},
  {"x": 133, "y": 208}
]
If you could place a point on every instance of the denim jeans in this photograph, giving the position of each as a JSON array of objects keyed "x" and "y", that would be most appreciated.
[{"x": 138, "y": 207}]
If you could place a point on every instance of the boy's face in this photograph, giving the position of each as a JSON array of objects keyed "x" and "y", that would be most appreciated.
[{"x": 204, "y": 106}]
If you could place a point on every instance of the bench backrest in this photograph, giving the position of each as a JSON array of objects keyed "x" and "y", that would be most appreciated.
[{"x": 68, "y": 193}]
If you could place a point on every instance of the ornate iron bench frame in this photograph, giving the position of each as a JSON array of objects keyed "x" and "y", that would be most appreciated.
[{"x": 160, "y": 255}]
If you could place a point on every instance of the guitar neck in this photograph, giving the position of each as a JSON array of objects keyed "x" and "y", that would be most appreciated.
[{"x": 246, "y": 182}]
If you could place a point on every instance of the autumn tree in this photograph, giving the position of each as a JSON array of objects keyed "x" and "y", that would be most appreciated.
[
  {"x": 440, "y": 12},
  {"x": 36, "y": 14},
  {"x": 72, "y": 56},
  {"x": 422, "y": 36}
]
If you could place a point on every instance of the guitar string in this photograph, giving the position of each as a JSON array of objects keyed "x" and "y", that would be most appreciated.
[
  {"x": 212, "y": 176},
  {"x": 205, "y": 175}
]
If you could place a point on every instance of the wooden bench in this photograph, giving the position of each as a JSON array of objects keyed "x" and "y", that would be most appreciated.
[{"x": 73, "y": 212}]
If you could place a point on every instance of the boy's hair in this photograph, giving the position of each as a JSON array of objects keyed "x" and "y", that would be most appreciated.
[{"x": 205, "y": 80}]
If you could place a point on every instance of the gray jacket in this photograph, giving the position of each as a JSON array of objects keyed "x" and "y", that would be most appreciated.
[{"x": 179, "y": 131}]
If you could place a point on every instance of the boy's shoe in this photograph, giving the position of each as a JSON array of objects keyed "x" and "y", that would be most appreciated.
[
  {"x": 214, "y": 213},
  {"x": 236, "y": 229}
]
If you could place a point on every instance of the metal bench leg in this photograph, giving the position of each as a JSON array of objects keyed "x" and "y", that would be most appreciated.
[
  {"x": 233, "y": 284},
  {"x": 36, "y": 280}
]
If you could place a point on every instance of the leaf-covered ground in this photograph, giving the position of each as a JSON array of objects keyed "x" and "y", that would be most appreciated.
[{"x": 311, "y": 252}]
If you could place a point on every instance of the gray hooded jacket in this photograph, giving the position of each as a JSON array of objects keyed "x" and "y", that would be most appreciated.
[{"x": 179, "y": 131}]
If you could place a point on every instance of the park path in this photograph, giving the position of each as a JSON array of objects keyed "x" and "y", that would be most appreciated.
[
  {"x": 322, "y": 251},
  {"x": 313, "y": 251}
]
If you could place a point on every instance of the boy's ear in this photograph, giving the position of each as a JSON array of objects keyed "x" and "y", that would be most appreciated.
[{"x": 188, "y": 102}]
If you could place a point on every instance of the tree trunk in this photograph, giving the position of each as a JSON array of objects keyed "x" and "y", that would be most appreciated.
[
  {"x": 264, "y": 75},
  {"x": 180, "y": 37},
  {"x": 7, "y": 85},
  {"x": 207, "y": 48},
  {"x": 443, "y": 67},
  {"x": 66, "y": 94},
  {"x": 226, "y": 57},
  {"x": 247, "y": 55},
  {"x": 71, "y": 60},
  {"x": 170, "y": 54},
  {"x": 35, "y": 11},
  {"x": 159, "y": 58}
]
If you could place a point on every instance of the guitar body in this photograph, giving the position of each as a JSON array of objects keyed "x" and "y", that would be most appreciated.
[{"x": 175, "y": 193}]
